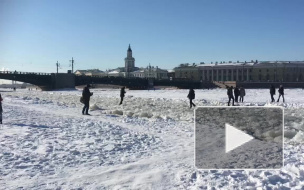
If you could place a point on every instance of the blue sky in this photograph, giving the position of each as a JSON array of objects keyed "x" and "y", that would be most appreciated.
[{"x": 34, "y": 34}]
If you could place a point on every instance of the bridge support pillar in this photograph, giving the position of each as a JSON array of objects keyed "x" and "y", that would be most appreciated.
[{"x": 63, "y": 80}]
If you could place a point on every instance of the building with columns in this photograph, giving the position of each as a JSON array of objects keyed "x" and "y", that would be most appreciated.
[
  {"x": 187, "y": 72},
  {"x": 254, "y": 71},
  {"x": 226, "y": 72},
  {"x": 129, "y": 63}
]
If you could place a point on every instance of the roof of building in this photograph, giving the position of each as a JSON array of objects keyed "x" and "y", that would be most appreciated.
[
  {"x": 114, "y": 72},
  {"x": 226, "y": 64},
  {"x": 138, "y": 71},
  {"x": 90, "y": 70},
  {"x": 95, "y": 71},
  {"x": 80, "y": 71},
  {"x": 281, "y": 62}
]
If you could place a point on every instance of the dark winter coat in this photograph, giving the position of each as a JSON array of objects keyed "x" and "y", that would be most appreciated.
[
  {"x": 281, "y": 90},
  {"x": 242, "y": 92},
  {"x": 272, "y": 90},
  {"x": 191, "y": 94},
  {"x": 229, "y": 92},
  {"x": 236, "y": 92},
  {"x": 1, "y": 110},
  {"x": 122, "y": 92},
  {"x": 86, "y": 94}
]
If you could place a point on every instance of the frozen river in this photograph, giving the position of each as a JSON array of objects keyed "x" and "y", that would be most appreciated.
[{"x": 146, "y": 143}]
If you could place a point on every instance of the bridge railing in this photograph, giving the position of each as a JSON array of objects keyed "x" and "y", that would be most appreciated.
[{"x": 23, "y": 73}]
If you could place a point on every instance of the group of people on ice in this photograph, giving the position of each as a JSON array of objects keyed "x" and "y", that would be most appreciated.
[
  {"x": 281, "y": 93},
  {"x": 237, "y": 94},
  {"x": 234, "y": 94},
  {"x": 86, "y": 96},
  {"x": 240, "y": 92}
]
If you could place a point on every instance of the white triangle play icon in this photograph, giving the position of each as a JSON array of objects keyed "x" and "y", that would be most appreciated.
[{"x": 235, "y": 137}]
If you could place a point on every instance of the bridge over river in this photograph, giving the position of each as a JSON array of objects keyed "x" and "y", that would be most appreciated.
[{"x": 52, "y": 81}]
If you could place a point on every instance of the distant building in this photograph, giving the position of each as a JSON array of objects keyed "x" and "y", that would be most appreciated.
[
  {"x": 278, "y": 71},
  {"x": 139, "y": 73},
  {"x": 171, "y": 74},
  {"x": 80, "y": 72},
  {"x": 115, "y": 73},
  {"x": 129, "y": 62},
  {"x": 95, "y": 72},
  {"x": 90, "y": 72},
  {"x": 155, "y": 72},
  {"x": 129, "y": 70},
  {"x": 187, "y": 72},
  {"x": 150, "y": 72}
]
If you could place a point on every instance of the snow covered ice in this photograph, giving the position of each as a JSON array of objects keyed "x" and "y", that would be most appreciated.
[{"x": 146, "y": 143}]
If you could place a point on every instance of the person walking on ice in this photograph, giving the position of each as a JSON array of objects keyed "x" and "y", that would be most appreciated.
[
  {"x": 86, "y": 95},
  {"x": 242, "y": 94},
  {"x": 122, "y": 94},
  {"x": 191, "y": 97},
  {"x": 236, "y": 94},
  {"x": 281, "y": 93},
  {"x": 1, "y": 109},
  {"x": 272, "y": 92},
  {"x": 230, "y": 95}
]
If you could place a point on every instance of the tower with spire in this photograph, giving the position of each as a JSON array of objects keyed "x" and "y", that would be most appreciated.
[{"x": 129, "y": 62}]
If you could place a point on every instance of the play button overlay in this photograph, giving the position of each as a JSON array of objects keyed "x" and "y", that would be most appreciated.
[
  {"x": 235, "y": 137},
  {"x": 239, "y": 137}
]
